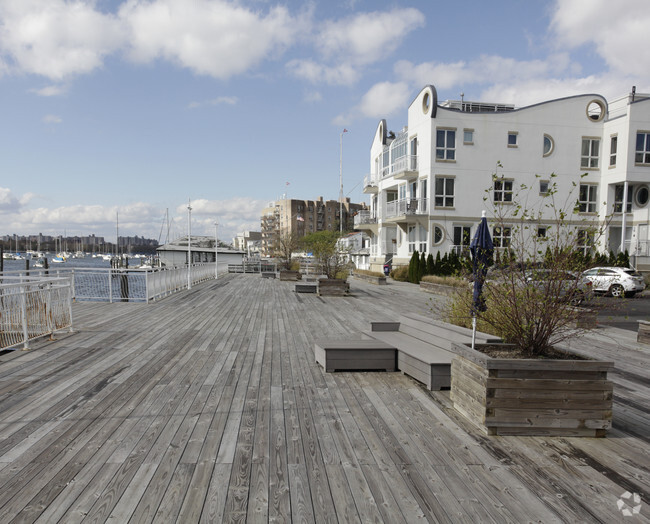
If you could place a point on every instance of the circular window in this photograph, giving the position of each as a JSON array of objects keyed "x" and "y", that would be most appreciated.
[
  {"x": 426, "y": 103},
  {"x": 548, "y": 145},
  {"x": 642, "y": 196},
  {"x": 596, "y": 110},
  {"x": 438, "y": 235}
]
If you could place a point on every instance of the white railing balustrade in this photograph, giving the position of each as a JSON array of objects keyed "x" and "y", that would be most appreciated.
[
  {"x": 365, "y": 217},
  {"x": 370, "y": 180},
  {"x": 32, "y": 307},
  {"x": 124, "y": 284},
  {"x": 407, "y": 206}
]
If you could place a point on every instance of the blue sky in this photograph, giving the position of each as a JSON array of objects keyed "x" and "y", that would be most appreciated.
[{"x": 135, "y": 106}]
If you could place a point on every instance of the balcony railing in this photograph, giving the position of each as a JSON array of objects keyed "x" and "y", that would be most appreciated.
[
  {"x": 365, "y": 217},
  {"x": 407, "y": 206},
  {"x": 384, "y": 248},
  {"x": 370, "y": 181},
  {"x": 402, "y": 164}
]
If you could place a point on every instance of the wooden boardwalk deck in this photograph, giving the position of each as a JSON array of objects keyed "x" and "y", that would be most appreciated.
[{"x": 208, "y": 406}]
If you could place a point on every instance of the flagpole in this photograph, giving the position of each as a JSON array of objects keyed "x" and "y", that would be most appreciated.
[{"x": 341, "y": 181}]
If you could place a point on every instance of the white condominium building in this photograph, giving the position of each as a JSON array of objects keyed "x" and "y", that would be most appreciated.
[{"x": 428, "y": 182}]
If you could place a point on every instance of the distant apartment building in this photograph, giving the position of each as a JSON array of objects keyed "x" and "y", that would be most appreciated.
[
  {"x": 301, "y": 217},
  {"x": 429, "y": 182},
  {"x": 249, "y": 242}
]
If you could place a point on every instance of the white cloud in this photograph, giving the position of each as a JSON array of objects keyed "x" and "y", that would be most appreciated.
[
  {"x": 8, "y": 202},
  {"x": 368, "y": 37},
  {"x": 52, "y": 119},
  {"x": 620, "y": 34},
  {"x": 55, "y": 38},
  {"x": 349, "y": 44},
  {"x": 53, "y": 90},
  {"x": 214, "y": 38},
  {"x": 221, "y": 100}
]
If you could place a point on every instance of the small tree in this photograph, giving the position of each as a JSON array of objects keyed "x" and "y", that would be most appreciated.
[
  {"x": 536, "y": 316},
  {"x": 413, "y": 267},
  {"x": 422, "y": 266},
  {"x": 431, "y": 265},
  {"x": 287, "y": 245},
  {"x": 326, "y": 251}
]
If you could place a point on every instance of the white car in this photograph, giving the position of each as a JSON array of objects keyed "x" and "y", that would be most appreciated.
[{"x": 616, "y": 281}]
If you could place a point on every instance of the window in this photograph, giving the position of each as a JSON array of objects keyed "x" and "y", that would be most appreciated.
[
  {"x": 512, "y": 139},
  {"x": 541, "y": 232},
  {"x": 543, "y": 187},
  {"x": 503, "y": 190},
  {"x": 402, "y": 192},
  {"x": 590, "y": 152},
  {"x": 548, "y": 145},
  {"x": 414, "y": 154},
  {"x": 501, "y": 236},
  {"x": 444, "y": 196},
  {"x": 642, "y": 196},
  {"x": 618, "y": 198},
  {"x": 438, "y": 235},
  {"x": 584, "y": 240},
  {"x": 417, "y": 239},
  {"x": 613, "y": 146},
  {"x": 642, "y": 155},
  {"x": 446, "y": 144},
  {"x": 468, "y": 136},
  {"x": 462, "y": 236},
  {"x": 587, "y": 198}
]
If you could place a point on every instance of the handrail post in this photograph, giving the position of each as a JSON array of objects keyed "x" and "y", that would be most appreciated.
[
  {"x": 110, "y": 286},
  {"x": 23, "y": 311}
]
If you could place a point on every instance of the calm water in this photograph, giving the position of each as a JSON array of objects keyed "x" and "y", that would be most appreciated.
[{"x": 10, "y": 265}]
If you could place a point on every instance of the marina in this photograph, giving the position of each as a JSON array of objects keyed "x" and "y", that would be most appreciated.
[{"x": 209, "y": 406}]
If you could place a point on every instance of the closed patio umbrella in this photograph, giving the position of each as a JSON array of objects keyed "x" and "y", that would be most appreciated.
[{"x": 481, "y": 249}]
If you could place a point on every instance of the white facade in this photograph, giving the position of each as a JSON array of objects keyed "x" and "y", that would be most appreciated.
[
  {"x": 429, "y": 181},
  {"x": 356, "y": 248}
]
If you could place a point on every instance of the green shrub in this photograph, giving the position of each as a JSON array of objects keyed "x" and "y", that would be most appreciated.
[
  {"x": 446, "y": 281},
  {"x": 368, "y": 273},
  {"x": 400, "y": 273}
]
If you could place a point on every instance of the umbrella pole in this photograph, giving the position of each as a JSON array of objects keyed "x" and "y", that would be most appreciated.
[{"x": 473, "y": 330}]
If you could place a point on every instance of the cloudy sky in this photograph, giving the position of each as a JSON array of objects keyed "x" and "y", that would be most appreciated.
[{"x": 135, "y": 106}]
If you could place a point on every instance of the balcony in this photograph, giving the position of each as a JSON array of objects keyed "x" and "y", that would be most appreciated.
[
  {"x": 366, "y": 220},
  {"x": 405, "y": 207},
  {"x": 370, "y": 184},
  {"x": 404, "y": 168}
]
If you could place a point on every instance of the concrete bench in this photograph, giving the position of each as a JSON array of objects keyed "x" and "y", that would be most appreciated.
[
  {"x": 306, "y": 288},
  {"x": 346, "y": 355}
]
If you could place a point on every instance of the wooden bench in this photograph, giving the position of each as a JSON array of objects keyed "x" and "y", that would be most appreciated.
[
  {"x": 424, "y": 346},
  {"x": 268, "y": 274},
  {"x": 306, "y": 288},
  {"x": 346, "y": 355}
]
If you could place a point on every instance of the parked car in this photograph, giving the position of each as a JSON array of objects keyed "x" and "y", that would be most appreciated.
[
  {"x": 568, "y": 287},
  {"x": 615, "y": 281}
]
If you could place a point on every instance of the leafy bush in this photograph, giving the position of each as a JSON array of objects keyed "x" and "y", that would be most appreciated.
[{"x": 400, "y": 273}]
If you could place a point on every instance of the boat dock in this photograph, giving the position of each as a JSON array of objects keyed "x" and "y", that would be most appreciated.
[{"x": 208, "y": 406}]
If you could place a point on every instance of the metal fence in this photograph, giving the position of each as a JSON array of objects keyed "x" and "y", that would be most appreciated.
[
  {"x": 31, "y": 307},
  {"x": 122, "y": 285}
]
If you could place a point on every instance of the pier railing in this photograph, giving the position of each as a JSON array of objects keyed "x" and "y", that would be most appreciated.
[
  {"x": 32, "y": 307},
  {"x": 122, "y": 285}
]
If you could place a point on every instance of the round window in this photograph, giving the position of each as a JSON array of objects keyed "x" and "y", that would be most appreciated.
[
  {"x": 438, "y": 235},
  {"x": 642, "y": 196},
  {"x": 426, "y": 103},
  {"x": 596, "y": 110},
  {"x": 548, "y": 145}
]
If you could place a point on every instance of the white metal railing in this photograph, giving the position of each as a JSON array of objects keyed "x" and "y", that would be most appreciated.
[
  {"x": 122, "y": 285},
  {"x": 365, "y": 217},
  {"x": 31, "y": 307},
  {"x": 407, "y": 206},
  {"x": 253, "y": 267},
  {"x": 370, "y": 180},
  {"x": 403, "y": 163},
  {"x": 385, "y": 248}
]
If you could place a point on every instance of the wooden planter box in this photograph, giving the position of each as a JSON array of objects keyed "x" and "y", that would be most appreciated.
[
  {"x": 438, "y": 289},
  {"x": 333, "y": 287},
  {"x": 532, "y": 396},
  {"x": 290, "y": 275},
  {"x": 643, "y": 334},
  {"x": 371, "y": 279}
]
